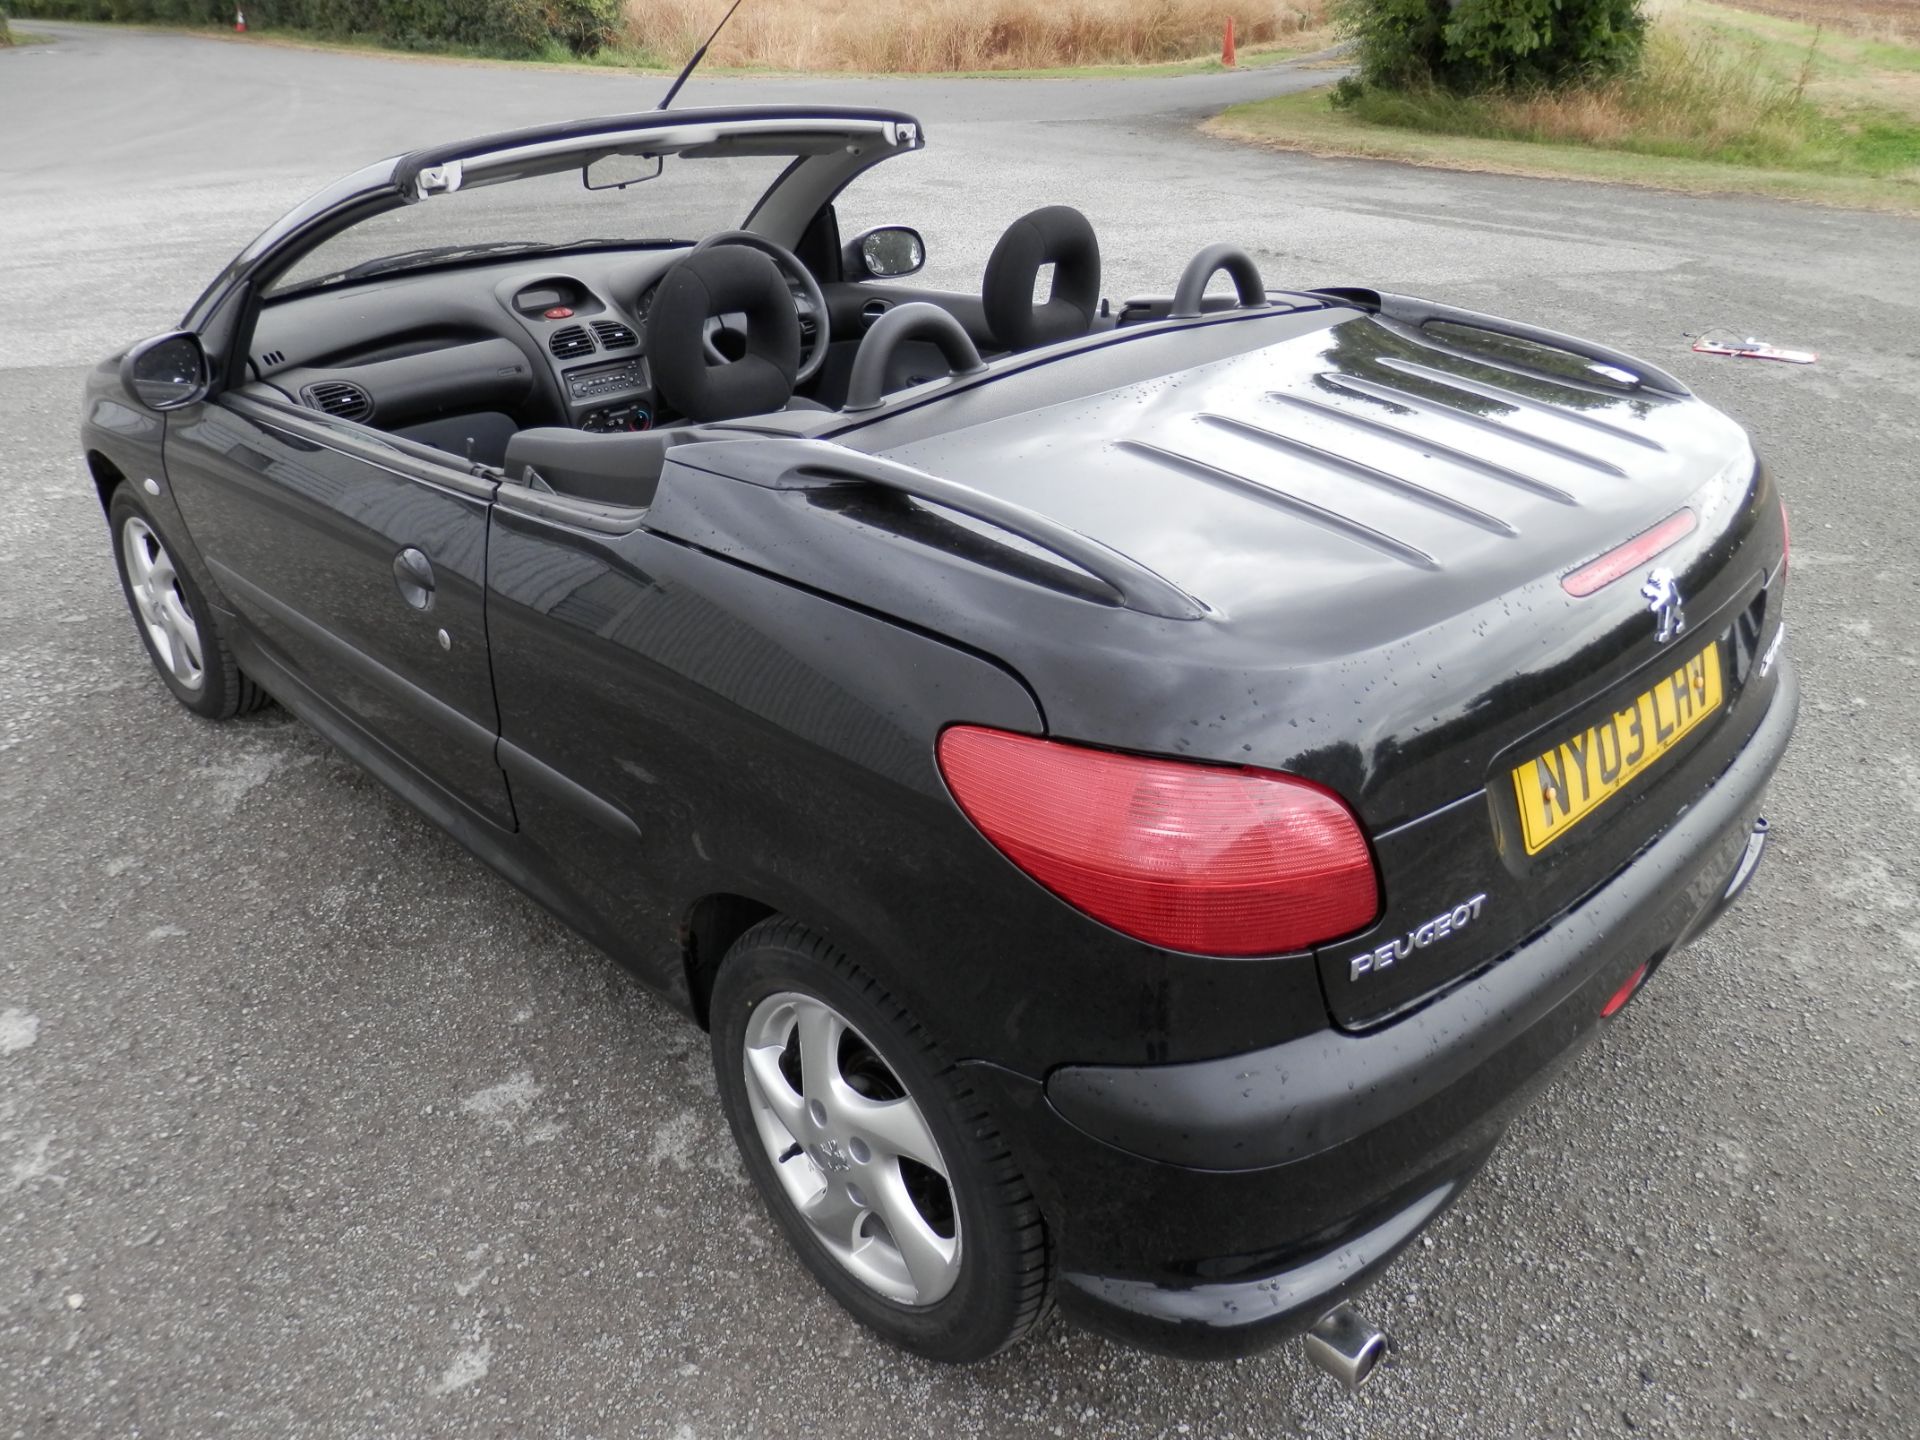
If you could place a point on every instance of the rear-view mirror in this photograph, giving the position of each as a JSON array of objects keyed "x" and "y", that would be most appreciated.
[{"x": 616, "y": 172}]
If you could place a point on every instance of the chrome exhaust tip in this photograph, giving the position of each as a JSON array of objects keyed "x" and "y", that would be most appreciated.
[
  {"x": 1749, "y": 860},
  {"x": 1346, "y": 1346}
]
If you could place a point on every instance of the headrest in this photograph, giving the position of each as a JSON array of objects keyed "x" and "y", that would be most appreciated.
[
  {"x": 725, "y": 280},
  {"x": 1062, "y": 237}
]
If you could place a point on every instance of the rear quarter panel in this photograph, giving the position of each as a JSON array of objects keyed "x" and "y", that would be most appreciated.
[{"x": 766, "y": 742}]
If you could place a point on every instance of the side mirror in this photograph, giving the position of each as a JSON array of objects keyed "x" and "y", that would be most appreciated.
[
  {"x": 885, "y": 253},
  {"x": 166, "y": 372}
]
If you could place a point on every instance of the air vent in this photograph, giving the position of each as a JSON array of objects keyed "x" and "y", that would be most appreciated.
[
  {"x": 339, "y": 398},
  {"x": 273, "y": 358},
  {"x": 570, "y": 343},
  {"x": 613, "y": 335}
]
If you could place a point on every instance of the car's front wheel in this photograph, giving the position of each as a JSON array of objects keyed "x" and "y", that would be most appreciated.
[
  {"x": 877, "y": 1157},
  {"x": 174, "y": 620}
]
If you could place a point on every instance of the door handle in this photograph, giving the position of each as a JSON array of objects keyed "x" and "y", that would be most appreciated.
[{"x": 413, "y": 577}]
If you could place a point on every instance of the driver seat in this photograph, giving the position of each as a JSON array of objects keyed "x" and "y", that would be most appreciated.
[{"x": 726, "y": 280}]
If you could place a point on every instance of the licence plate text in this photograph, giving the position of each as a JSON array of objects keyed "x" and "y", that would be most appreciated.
[{"x": 1559, "y": 789}]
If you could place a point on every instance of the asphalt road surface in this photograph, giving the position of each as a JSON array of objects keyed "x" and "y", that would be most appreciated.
[{"x": 311, "y": 1126}]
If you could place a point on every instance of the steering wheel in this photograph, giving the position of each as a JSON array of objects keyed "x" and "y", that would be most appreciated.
[{"x": 810, "y": 304}]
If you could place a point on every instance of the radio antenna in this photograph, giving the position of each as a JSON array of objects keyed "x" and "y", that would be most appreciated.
[{"x": 698, "y": 56}]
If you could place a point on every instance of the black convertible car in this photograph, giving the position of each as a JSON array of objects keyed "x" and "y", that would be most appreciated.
[{"x": 1138, "y": 792}]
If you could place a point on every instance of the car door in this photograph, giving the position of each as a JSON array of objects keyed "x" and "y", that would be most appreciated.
[{"x": 359, "y": 565}]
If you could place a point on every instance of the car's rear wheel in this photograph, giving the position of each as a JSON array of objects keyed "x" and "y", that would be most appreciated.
[
  {"x": 877, "y": 1157},
  {"x": 174, "y": 620}
]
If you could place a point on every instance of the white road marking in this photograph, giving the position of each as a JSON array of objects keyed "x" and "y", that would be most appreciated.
[
  {"x": 32, "y": 1165},
  {"x": 18, "y": 1030},
  {"x": 226, "y": 786},
  {"x": 508, "y": 1107},
  {"x": 468, "y": 1367}
]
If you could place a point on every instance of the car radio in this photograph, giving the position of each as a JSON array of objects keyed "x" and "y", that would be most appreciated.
[{"x": 592, "y": 383}]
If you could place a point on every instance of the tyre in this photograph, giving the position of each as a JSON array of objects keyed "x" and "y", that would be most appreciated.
[
  {"x": 174, "y": 620},
  {"x": 875, "y": 1154}
]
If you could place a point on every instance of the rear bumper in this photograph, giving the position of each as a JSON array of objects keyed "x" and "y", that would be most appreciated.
[{"x": 1216, "y": 1207}]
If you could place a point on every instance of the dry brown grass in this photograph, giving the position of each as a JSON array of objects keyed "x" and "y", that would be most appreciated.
[
  {"x": 945, "y": 35},
  {"x": 1686, "y": 99},
  {"x": 1713, "y": 85},
  {"x": 1695, "y": 99}
]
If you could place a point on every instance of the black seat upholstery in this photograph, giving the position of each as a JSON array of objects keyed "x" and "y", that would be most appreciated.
[
  {"x": 1057, "y": 235},
  {"x": 726, "y": 280}
]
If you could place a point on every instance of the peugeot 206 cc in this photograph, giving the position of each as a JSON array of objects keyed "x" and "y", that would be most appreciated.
[{"x": 1138, "y": 791}]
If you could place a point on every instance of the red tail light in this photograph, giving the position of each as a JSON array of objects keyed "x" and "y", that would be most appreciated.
[
  {"x": 1209, "y": 859},
  {"x": 1625, "y": 559}
]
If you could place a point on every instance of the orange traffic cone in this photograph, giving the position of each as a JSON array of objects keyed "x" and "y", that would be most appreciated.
[
  {"x": 239, "y": 21},
  {"x": 1228, "y": 56}
]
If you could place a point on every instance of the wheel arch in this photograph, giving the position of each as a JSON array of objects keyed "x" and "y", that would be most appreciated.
[
  {"x": 712, "y": 924},
  {"x": 107, "y": 476}
]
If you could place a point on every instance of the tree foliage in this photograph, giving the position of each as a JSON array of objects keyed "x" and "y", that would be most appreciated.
[
  {"x": 496, "y": 27},
  {"x": 1467, "y": 46}
]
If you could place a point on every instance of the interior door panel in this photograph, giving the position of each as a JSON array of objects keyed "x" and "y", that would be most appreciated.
[{"x": 852, "y": 307}]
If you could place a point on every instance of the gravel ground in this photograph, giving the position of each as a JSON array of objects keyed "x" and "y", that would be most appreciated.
[{"x": 311, "y": 1126}]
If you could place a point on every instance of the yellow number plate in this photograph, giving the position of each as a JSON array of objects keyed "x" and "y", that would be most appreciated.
[{"x": 1561, "y": 788}]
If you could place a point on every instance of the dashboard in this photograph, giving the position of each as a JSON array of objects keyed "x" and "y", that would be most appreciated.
[
  {"x": 596, "y": 351},
  {"x": 461, "y": 357}
]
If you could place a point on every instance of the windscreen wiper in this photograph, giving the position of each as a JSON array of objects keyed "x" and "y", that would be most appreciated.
[
  {"x": 412, "y": 259},
  {"x": 408, "y": 259},
  {"x": 624, "y": 242}
]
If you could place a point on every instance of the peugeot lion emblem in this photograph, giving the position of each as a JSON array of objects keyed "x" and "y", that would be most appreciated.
[{"x": 1663, "y": 599}]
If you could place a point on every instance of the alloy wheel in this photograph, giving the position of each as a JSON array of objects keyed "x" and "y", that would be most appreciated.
[
  {"x": 155, "y": 586},
  {"x": 852, "y": 1149}
]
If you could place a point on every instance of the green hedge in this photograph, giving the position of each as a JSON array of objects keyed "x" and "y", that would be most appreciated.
[
  {"x": 496, "y": 27},
  {"x": 1472, "y": 45}
]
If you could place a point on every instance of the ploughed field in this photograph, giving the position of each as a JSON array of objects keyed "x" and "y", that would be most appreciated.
[{"x": 1884, "y": 19}]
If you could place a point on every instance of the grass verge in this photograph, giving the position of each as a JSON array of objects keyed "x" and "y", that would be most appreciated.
[
  {"x": 1727, "y": 102},
  {"x": 1308, "y": 123}
]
